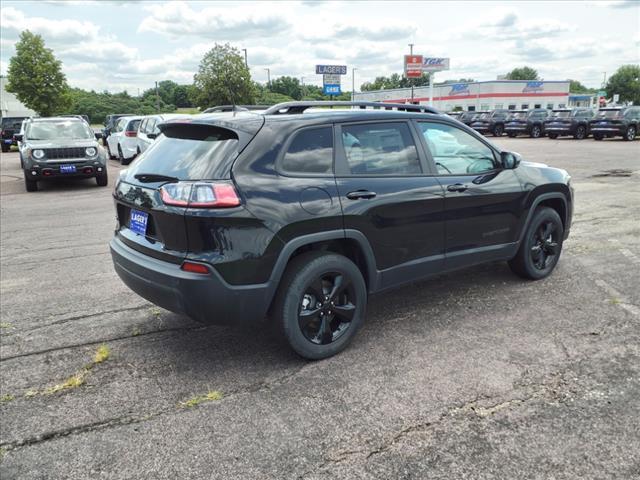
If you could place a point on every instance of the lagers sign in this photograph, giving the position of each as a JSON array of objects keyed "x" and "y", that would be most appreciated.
[{"x": 331, "y": 78}]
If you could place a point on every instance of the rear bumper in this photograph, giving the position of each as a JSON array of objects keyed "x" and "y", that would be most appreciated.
[
  {"x": 609, "y": 129},
  {"x": 205, "y": 298},
  {"x": 515, "y": 128},
  {"x": 559, "y": 129}
]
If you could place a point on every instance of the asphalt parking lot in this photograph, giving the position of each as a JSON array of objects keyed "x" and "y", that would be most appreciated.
[{"x": 476, "y": 374}]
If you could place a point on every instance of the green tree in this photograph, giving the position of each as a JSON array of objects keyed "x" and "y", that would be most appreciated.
[
  {"x": 395, "y": 80},
  {"x": 289, "y": 86},
  {"x": 576, "y": 87},
  {"x": 223, "y": 78},
  {"x": 626, "y": 83},
  {"x": 523, "y": 73},
  {"x": 35, "y": 76},
  {"x": 181, "y": 96}
]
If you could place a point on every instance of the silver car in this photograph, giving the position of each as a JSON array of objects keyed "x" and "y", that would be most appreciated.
[{"x": 59, "y": 147}]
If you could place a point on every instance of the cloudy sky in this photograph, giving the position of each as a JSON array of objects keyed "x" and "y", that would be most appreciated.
[{"x": 128, "y": 45}]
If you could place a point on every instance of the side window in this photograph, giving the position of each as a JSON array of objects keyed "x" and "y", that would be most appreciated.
[
  {"x": 456, "y": 152},
  {"x": 143, "y": 125},
  {"x": 151, "y": 125},
  {"x": 310, "y": 151},
  {"x": 380, "y": 149}
]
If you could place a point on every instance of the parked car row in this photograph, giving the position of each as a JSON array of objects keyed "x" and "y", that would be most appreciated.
[
  {"x": 126, "y": 136},
  {"x": 539, "y": 122}
]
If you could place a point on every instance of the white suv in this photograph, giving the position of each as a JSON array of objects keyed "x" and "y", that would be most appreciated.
[
  {"x": 123, "y": 141},
  {"x": 148, "y": 130}
]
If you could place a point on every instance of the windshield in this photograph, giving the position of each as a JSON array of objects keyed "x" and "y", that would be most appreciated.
[
  {"x": 563, "y": 114},
  {"x": 485, "y": 115},
  {"x": 197, "y": 153},
  {"x": 518, "y": 115},
  {"x": 608, "y": 113},
  {"x": 61, "y": 129}
]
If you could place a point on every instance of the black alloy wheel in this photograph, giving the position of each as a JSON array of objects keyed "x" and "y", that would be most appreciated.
[
  {"x": 498, "y": 130},
  {"x": 545, "y": 246},
  {"x": 541, "y": 245},
  {"x": 630, "y": 134},
  {"x": 320, "y": 304},
  {"x": 581, "y": 132},
  {"x": 327, "y": 308}
]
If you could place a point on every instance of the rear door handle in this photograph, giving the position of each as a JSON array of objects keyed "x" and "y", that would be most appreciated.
[
  {"x": 360, "y": 194},
  {"x": 457, "y": 187}
]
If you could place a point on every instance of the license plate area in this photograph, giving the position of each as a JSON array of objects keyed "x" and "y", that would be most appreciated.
[
  {"x": 138, "y": 222},
  {"x": 67, "y": 169}
]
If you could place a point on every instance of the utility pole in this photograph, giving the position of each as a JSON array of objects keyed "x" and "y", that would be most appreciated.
[
  {"x": 604, "y": 79},
  {"x": 411, "y": 49},
  {"x": 157, "y": 99},
  {"x": 268, "y": 78},
  {"x": 246, "y": 63},
  {"x": 302, "y": 84},
  {"x": 353, "y": 84}
]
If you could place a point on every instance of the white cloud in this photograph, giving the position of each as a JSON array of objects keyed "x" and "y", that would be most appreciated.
[
  {"x": 60, "y": 31},
  {"x": 220, "y": 23}
]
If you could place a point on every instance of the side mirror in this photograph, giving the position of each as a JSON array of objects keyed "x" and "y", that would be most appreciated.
[
  {"x": 98, "y": 135},
  {"x": 152, "y": 136},
  {"x": 510, "y": 160},
  {"x": 17, "y": 137}
]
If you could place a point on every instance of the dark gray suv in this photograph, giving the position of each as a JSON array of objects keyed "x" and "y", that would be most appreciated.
[{"x": 60, "y": 147}]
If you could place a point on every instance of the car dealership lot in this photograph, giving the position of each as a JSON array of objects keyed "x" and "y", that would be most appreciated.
[{"x": 476, "y": 374}]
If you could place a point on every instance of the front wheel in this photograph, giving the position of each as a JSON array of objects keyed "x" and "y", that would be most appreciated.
[
  {"x": 102, "y": 179},
  {"x": 541, "y": 245},
  {"x": 320, "y": 304},
  {"x": 498, "y": 130},
  {"x": 581, "y": 132},
  {"x": 30, "y": 185},
  {"x": 630, "y": 134},
  {"x": 536, "y": 131},
  {"x": 5, "y": 148}
]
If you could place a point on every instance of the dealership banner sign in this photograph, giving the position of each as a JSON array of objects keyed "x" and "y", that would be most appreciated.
[
  {"x": 434, "y": 64},
  {"x": 416, "y": 65}
]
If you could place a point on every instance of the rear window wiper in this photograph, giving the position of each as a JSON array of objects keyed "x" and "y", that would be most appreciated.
[{"x": 155, "y": 177}]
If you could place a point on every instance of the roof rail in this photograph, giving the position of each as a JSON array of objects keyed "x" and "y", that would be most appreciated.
[
  {"x": 300, "y": 107},
  {"x": 235, "y": 108}
]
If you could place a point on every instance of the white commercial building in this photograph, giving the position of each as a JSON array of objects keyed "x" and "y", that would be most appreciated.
[
  {"x": 509, "y": 94},
  {"x": 10, "y": 106}
]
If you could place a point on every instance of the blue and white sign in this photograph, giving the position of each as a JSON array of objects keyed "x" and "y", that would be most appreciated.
[
  {"x": 335, "y": 69},
  {"x": 434, "y": 64},
  {"x": 533, "y": 87},
  {"x": 331, "y": 89}
]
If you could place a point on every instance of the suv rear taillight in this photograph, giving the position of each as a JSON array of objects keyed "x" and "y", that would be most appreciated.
[
  {"x": 200, "y": 195},
  {"x": 131, "y": 133}
]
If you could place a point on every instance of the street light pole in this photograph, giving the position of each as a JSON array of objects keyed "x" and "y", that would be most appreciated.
[
  {"x": 353, "y": 84},
  {"x": 411, "y": 49},
  {"x": 268, "y": 78},
  {"x": 246, "y": 63},
  {"x": 302, "y": 84}
]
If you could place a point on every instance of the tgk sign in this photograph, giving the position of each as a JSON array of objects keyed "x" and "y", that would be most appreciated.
[
  {"x": 533, "y": 87},
  {"x": 433, "y": 64},
  {"x": 459, "y": 89}
]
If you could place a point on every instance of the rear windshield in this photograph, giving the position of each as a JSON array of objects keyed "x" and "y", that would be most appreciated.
[
  {"x": 189, "y": 153},
  {"x": 62, "y": 129},
  {"x": 518, "y": 115},
  {"x": 133, "y": 126},
  {"x": 485, "y": 115},
  {"x": 563, "y": 114},
  {"x": 12, "y": 123},
  {"x": 608, "y": 113}
]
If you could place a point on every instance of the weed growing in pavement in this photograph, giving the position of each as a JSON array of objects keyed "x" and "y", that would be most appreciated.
[
  {"x": 198, "y": 399},
  {"x": 6, "y": 325},
  {"x": 77, "y": 379},
  {"x": 7, "y": 397}
]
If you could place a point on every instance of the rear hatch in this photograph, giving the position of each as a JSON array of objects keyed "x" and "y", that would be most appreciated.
[
  {"x": 608, "y": 117},
  {"x": 10, "y": 126},
  {"x": 185, "y": 172},
  {"x": 559, "y": 118}
]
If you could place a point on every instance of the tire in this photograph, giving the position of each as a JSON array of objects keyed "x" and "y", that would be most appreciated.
[
  {"x": 553, "y": 136},
  {"x": 598, "y": 136},
  {"x": 5, "y": 148},
  {"x": 536, "y": 131},
  {"x": 30, "y": 185},
  {"x": 324, "y": 332},
  {"x": 511, "y": 135},
  {"x": 121, "y": 159},
  {"x": 111, "y": 156},
  {"x": 541, "y": 245},
  {"x": 581, "y": 133},
  {"x": 498, "y": 130},
  {"x": 630, "y": 134},
  {"x": 102, "y": 179}
]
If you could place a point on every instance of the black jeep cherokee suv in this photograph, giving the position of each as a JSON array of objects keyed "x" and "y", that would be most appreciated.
[
  {"x": 569, "y": 122},
  {"x": 616, "y": 122},
  {"x": 470, "y": 116},
  {"x": 302, "y": 213},
  {"x": 9, "y": 127},
  {"x": 492, "y": 122},
  {"x": 531, "y": 123}
]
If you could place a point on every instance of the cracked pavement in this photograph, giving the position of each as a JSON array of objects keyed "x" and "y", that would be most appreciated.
[{"x": 474, "y": 374}]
